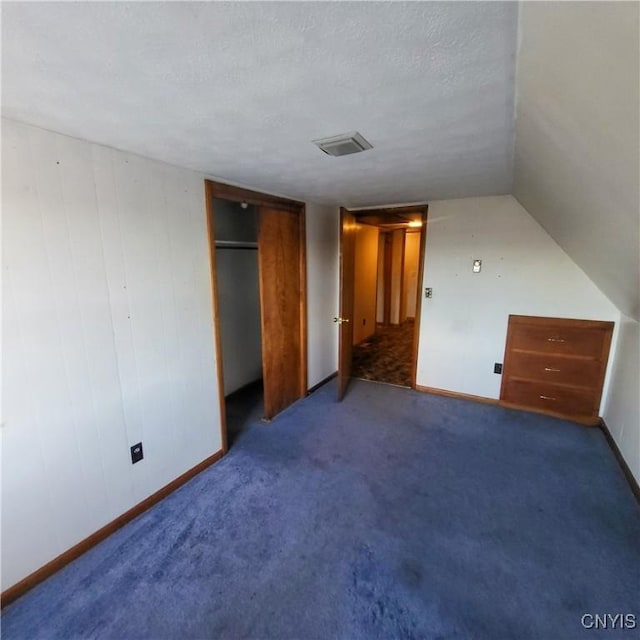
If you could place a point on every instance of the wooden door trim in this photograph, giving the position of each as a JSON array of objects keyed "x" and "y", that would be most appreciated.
[
  {"x": 424, "y": 210},
  {"x": 223, "y": 191},
  {"x": 211, "y": 241},
  {"x": 402, "y": 303},
  {"x": 415, "y": 208},
  {"x": 420, "y": 283},
  {"x": 302, "y": 275},
  {"x": 238, "y": 194},
  {"x": 345, "y": 345}
]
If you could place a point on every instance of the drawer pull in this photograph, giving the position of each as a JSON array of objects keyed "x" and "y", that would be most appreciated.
[
  {"x": 556, "y": 340},
  {"x": 552, "y": 369},
  {"x": 546, "y": 398}
]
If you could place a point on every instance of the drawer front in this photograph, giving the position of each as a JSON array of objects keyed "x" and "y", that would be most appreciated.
[
  {"x": 556, "y": 339},
  {"x": 539, "y": 395},
  {"x": 553, "y": 368}
]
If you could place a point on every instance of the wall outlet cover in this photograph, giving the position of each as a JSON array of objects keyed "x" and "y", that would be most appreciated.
[
  {"x": 497, "y": 367},
  {"x": 136, "y": 453}
]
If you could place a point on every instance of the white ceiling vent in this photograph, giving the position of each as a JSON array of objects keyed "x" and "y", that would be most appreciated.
[{"x": 343, "y": 145}]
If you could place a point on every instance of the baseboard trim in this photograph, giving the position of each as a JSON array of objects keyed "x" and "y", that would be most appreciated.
[
  {"x": 322, "y": 382},
  {"x": 44, "y": 572},
  {"x": 588, "y": 421},
  {"x": 633, "y": 483},
  {"x": 455, "y": 394}
]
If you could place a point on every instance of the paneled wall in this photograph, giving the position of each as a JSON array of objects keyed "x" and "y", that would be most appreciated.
[{"x": 107, "y": 338}]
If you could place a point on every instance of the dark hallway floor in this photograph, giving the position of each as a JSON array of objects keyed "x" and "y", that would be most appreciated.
[
  {"x": 244, "y": 407},
  {"x": 386, "y": 356}
]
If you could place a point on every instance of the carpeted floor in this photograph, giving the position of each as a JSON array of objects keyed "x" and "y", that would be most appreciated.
[
  {"x": 386, "y": 356},
  {"x": 394, "y": 514}
]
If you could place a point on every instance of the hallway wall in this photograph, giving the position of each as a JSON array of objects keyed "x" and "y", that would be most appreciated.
[
  {"x": 411, "y": 257},
  {"x": 365, "y": 288},
  {"x": 397, "y": 264}
]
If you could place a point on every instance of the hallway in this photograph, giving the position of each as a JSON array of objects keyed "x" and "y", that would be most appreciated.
[{"x": 386, "y": 356}]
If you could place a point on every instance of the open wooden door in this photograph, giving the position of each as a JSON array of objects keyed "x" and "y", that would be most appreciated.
[
  {"x": 347, "y": 277},
  {"x": 281, "y": 301}
]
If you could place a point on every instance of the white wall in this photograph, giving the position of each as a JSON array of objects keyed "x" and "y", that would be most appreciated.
[
  {"x": 622, "y": 409},
  {"x": 323, "y": 265},
  {"x": 107, "y": 338},
  {"x": 365, "y": 282},
  {"x": 463, "y": 327},
  {"x": 238, "y": 295},
  {"x": 577, "y": 149}
]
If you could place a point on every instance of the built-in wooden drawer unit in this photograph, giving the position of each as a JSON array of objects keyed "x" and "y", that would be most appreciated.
[
  {"x": 555, "y": 368},
  {"x": 556, "y": 339},
  {"x": 556, "y": 365},
  {"x": 549, "y": 397}
]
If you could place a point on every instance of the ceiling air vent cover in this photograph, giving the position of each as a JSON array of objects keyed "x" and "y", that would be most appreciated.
[{"x": 343, "y": 145}]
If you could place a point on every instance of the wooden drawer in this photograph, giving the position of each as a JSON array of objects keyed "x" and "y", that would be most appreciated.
[
  {"x": 554, "y": 368},
  {"x": 557, "y": 339},
  {"x": 569, "y": 401}
]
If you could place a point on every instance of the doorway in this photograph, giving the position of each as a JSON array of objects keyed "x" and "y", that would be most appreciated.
[
  {"x": 257, "y": 258},
  {"x": 382, "y": 258}
]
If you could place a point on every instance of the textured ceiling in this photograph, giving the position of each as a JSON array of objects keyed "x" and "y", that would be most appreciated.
[{"x": 239, "y": 90}]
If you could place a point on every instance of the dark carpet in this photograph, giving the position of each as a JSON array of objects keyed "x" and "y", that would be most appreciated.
[
  {"x": 394, "y": 514},
  {"x": 386, "y": 356}
]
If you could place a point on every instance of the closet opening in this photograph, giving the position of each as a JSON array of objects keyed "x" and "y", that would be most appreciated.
[
  {"x": 235, "y": 227},
  {"x": 258, "y": 292}
]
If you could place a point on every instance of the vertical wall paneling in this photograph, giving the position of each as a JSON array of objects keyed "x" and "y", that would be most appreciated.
[
  {"x": 25, "y": 274},
  {"x": 107, "y": 338}
]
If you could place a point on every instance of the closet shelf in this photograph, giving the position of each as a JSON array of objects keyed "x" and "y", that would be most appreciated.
[{"x": 235, "y": 244}]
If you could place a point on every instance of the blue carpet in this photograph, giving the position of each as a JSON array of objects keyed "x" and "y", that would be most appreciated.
[{"x": 392, "y": 515}]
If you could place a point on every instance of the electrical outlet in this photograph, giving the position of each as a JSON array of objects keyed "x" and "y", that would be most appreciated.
[
  {"x": 428, "y": 292},
  {"x": 136, "y": 453},
  {"x": 497, "y": 367}
]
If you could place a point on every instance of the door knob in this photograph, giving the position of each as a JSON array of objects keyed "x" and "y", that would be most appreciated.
[{"x": 340, "y": 320}]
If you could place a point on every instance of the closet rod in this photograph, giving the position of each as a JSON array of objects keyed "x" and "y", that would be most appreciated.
[{"x": 235, "y": 244}]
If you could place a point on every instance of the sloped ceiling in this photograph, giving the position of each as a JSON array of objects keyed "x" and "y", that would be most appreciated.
[
  {"x": 577, "y": 137},
  {"x": 238, "y": 90}
]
